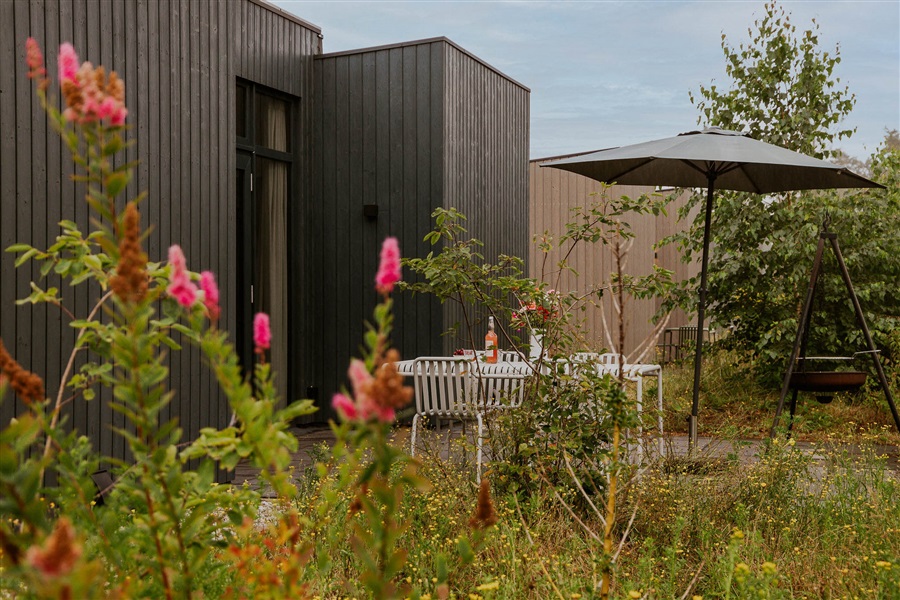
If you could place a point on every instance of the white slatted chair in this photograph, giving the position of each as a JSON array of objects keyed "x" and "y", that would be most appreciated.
[
  {"x": 443, "y": 390},
  {"x": 609, "y": 363},
  {"x": 494, "y": 383},
  {"x": 512, "y": 356}
]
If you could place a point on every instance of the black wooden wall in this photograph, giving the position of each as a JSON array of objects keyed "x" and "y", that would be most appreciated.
[
  {"x": 486, "y": 164},
  {"x": 179, "y": 60},
  {"x": 406, "y": 128}
]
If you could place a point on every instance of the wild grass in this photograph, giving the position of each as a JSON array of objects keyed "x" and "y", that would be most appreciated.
[
  {"x": 788, "y": 523},
  {"x": 734, "y": 405}
]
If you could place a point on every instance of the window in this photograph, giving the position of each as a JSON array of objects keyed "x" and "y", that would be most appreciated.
[{"x": 263, "y": 135}]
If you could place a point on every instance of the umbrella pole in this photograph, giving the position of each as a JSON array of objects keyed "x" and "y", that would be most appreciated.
[{"x": 701, "y": 314}]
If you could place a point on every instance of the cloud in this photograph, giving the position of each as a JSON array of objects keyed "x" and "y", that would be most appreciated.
[{"x": 604, "y": 73}]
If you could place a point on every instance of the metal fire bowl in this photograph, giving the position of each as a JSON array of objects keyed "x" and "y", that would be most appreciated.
[{"x": 827, "y": 381}]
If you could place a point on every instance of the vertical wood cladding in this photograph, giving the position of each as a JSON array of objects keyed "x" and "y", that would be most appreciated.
[
  {"x": 407, "y": 128},
  {"x": 179, "y": 60},
  {"x": 554, "y": 193},
  {"x": 486, "y": 167}
]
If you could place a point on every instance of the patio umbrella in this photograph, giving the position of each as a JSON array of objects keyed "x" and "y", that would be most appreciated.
[{"x": 713, "y": 158}]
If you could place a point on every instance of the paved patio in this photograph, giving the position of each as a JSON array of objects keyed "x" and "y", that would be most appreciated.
[{"x": 747, "y": 451}]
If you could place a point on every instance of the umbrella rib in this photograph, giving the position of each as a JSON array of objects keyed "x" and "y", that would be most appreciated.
[
  {"x": 627, "y": 171},
  {"x": 722, "y": 169},
  {"x": 691, "y": 164},
  {"x": 756, "y": 188}
]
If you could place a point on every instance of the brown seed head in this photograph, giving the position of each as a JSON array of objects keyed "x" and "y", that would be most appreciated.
[
  {"x": 28, "y": 386},
  {"x": 74, "y": 98},
  {"x": 115, "y": 87},
  {"x": 387, "y": 388},
  {"x": 59, "y": 553},
  {"x": 484, "y": 516},
  {"x": 100, "y": 77},
  {"x": 130, "y": 281}
]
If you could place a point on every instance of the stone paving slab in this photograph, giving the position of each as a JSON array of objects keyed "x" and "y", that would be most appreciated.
[{"x": 311, "y": 438}]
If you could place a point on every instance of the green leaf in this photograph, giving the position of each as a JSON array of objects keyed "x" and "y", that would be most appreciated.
[
  {"x": 116, "y": 182},
  {"x": 464, "y": 548},
  {"x": 186, "y": 331},
  {"x": 93, "y": 261},
  {"x": 24, "y": 258},
  {"x": 112, "y": 146},
  {"x": 170, "y": 342}
]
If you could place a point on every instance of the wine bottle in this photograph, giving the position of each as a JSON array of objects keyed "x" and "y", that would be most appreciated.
[{"x": 490, "y": 343}]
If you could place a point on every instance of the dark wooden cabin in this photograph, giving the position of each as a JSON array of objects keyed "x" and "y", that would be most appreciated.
[
  {"x": 401, "y": 130},
  {"x": 275, "y": 166}
]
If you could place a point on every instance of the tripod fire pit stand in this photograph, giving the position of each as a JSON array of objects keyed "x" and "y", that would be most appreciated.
[{"x": 825, "y": 383}]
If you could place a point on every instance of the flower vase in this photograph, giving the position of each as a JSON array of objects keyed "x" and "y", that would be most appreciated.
[{"x": 535, "y": 346}]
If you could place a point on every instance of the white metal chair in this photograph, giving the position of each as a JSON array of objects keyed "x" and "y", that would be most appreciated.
[
  {"x": 512, "y": 356},
  {"x": 448, "y": 389},
  {"x": 443, "y": 390},
  {"x": 494, "y": 383},
  {"x": 609, "y": 363}
]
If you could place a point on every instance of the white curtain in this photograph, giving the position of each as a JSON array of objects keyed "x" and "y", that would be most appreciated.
[
  {"x": 272, "y": 117},
  {"x": 271, "y": 197},
  {"x": 271, "y": 260}
]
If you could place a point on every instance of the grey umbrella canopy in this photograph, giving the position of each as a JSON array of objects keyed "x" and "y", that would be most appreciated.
[{"x": 713, "y": 158}]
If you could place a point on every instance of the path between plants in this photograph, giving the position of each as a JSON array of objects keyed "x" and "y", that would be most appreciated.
[{"x": 709, "y": 450}]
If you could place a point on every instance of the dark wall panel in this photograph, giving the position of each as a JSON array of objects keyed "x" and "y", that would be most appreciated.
[
  {"x": 486, "y": 165},
  {"x": 409, "y": 128},
  {"x": 179, "y": 60},
  {"x": 374, "y": 115}
]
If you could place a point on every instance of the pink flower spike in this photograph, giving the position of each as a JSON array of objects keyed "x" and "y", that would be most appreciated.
[
  {"x": 183, "y": 290},
  {"x": 210, "y": 294},
  {"x": 359, "y": 376},
  {"x": 177, "y": 259},
  {"x": 68, "y": 63},
  {"x": 384, "y": 414},
  {"x": 344, "y": 407},
  {"x": 106, "y": 108},
  {"x": 34, "y": 59},
  {"x": 262, "y": 333},
  {"x": 118, "y": 116},
  {"x": 389, "y": 269}
]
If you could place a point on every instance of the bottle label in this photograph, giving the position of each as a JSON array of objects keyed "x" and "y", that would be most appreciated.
[{"x": 490, "y": 347}]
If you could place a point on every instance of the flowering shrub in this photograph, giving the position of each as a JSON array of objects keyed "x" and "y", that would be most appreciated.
[
  {"x": 164, "y": 529},
  {"x": 567, "y": 433},
  {"x": 154, "y": 534},
  {"x": 537, "y": 312}
]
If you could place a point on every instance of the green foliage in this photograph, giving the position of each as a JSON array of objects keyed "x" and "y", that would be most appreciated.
[
  {"x": 783, "y": 90},
  {"x": 158, "y": 526},
  {"x": 459, "y": 273},
  {"x": 567, "y": 433},
  {"x": 783, "y": 525}
]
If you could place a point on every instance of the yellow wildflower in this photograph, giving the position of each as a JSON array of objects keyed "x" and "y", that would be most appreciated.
[{"x": 493, "y": 585}]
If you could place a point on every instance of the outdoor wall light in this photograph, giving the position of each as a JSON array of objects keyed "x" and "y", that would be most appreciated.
[{"x": 370, "y": 211}]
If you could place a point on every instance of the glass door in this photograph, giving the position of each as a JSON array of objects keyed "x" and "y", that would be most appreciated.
[{"x": 264, "y": 160}]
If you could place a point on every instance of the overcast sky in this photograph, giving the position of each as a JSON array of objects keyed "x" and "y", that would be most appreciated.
[{"x": 607, "y": 74}]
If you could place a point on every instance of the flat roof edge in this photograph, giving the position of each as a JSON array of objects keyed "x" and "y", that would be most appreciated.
[
  {"x": 562, "y": 156},
  {"x": 431, "y": 40},
  {"x": 289, "y": 16}
]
